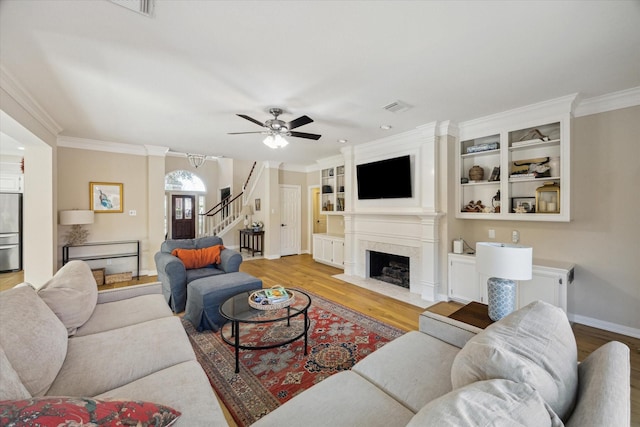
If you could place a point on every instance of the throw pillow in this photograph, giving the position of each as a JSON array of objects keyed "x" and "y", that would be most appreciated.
[
  {"x": 34, "y": 340},
  {"x": 534, "y": 345},
  {"x": 76, "y": 411},
  {"x": 72, "y": 294},
  {"x": 498, "y": 403},
  {"x": 11, "y": 386},
  {"x": 198, "y": 258}
]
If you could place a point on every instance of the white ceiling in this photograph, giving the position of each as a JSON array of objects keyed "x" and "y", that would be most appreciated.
[{"x": 178, "y": 78}]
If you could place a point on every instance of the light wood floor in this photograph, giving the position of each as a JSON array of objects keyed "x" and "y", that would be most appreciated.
[{"x": 302, "y": 272}]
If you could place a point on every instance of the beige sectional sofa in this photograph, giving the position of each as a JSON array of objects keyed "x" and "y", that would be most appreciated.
[
  {"x": 521, "y": 371},
  {"x": 68, "y": 339}
]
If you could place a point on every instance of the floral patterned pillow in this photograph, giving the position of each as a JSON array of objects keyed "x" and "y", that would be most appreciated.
[{"x": 84, "y": 412}]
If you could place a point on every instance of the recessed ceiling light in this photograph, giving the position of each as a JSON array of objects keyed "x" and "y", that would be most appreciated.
[
  {"x": 342, "y": 141},
  {"x": 386, "y": 127},
  {"x": 20, "y": 148}
]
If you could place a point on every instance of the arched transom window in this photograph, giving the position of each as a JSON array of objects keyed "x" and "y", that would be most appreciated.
[{"x": 182, "y": 180}]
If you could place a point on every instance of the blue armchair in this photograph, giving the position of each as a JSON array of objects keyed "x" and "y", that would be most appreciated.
[{"x": 174, "y": 276}]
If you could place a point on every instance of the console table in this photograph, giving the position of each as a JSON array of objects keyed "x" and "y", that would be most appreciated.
[
  {"x": 123, "y": 253},
  {"x": 252, "y": 241}
]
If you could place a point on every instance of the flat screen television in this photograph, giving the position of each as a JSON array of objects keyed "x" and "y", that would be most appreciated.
[{"x": 385, "y": 179}]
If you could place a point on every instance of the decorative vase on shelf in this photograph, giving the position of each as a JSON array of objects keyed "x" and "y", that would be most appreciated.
[{"x": 476, "y": 173}]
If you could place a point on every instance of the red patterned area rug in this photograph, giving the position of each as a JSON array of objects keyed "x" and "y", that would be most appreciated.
[{"x": 338, "y": 338}]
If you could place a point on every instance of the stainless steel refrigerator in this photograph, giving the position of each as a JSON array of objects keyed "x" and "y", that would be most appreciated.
[{"x": 10, "y": 232}]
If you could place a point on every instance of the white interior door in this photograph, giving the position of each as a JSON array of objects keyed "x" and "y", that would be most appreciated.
[{"x": 290, "y": 220}]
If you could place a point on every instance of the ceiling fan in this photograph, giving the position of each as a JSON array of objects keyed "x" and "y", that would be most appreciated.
[{"x": 277, "y": 129}]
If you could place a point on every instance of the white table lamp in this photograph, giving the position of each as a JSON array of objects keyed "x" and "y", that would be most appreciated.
[
  {"x": 76, "y": 218},
  {"x": 503, "y": 263},
  {"x": 247, "y": 211}
]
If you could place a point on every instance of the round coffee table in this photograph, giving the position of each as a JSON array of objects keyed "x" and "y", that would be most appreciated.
[{"x": 237, "y": 310}]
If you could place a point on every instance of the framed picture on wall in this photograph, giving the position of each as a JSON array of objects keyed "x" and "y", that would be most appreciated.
[
  {"x": 106, "y": 197},
  {"x": 257, "y": 204}
]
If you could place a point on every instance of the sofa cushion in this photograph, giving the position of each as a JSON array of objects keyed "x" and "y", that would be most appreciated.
[
  {"x": 198, "y": 258},
  {"x": 498, "y": 403},
  {"x": 33, "y": 338},
  {"x": 126, "y": 312},
  {"x": 100, "y": 362},
  {"x": 343, "y": 399},
  {"x": 534, "y": 345},
  {"x": 59, "y": 411},
  {"x": 10, "y": 387},
  {"x": 184, "y": 387},
  {"x": 72, "y": 294},
  {"x": 420, "y": 368}
]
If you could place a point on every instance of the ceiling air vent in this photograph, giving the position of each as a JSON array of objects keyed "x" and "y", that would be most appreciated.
[
  {"x": 144, "y": 7},
  {"x": 397, "y": 107}
]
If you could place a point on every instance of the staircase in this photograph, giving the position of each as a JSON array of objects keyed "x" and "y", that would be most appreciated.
[{"x": 224, "y": 216}]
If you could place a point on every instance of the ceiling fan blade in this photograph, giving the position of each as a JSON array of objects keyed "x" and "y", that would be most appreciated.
[
  {"x": 300, "y": 121},
  {"x": 251, "y": 119},
  {"x": 241, "y": 133},
  {"x": 306, "y": 135}
]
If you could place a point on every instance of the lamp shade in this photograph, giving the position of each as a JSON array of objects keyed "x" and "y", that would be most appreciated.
[
  {"x": 247, "y": 210},
  {"x": 76, "y": 217},
  {"x": 503, "y": 260}
]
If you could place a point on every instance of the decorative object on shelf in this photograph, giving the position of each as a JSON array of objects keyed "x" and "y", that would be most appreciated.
[
  {"x": 554, "y": 166},
  {"x": 257, "y": 225},
  {"x": 503, "y": 263},
  {"x": 495, "y": 202},
  {"x": 532, "y": 135},
  {"x": 548, "y": 198},
  {"x": 474, "y": 207},
  {"x": 523, "y": 204},
  {"x": 476, "y": 173},
  {"x": 196, "y": 160},
  {"x": 531, "y": 168},
  {"x": 247, "y": 211},
  {"x": 327, "y": 189},
  {"x": 464, "y": 180},
  {"x": 495, "y": 174},
  {"x": 106, "y": 197},
  {"x": 483, "y": 147},
  {"x": 76, "y": 219}
]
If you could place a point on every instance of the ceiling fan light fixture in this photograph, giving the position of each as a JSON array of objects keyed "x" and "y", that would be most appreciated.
[
  {"x": 196, "y": 160},
  {"x": 275, "y": 141}
]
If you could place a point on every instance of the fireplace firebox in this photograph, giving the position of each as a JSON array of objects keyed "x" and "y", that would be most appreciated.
[{"x": 389, "y": 268}]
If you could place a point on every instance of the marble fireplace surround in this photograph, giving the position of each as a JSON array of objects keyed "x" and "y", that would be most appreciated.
[{"x": 413, "y": 235}]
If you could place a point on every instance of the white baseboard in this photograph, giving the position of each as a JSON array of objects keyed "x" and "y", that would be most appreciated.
[{"x": 607, "y": 326}]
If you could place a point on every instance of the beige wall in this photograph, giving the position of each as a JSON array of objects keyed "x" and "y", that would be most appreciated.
[
  {"x": 77, "y": 168},
  {"x": 603, "y": 239}
]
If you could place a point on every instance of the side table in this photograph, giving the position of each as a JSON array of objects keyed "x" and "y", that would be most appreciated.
[
  {"x": 474, "y": 313},
  {"x": 252, "y": 241}
]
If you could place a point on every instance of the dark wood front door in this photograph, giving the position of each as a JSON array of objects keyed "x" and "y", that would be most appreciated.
[{"x": 183, "y": 218}]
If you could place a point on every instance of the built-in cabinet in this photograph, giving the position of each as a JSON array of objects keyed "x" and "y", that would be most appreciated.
[
  {"x": 332, "y": 189},
  {"x": 549, "y": 282},
  {"x": 504, "y": 161},
  {"x": 328, "y": 249},
  {"x": 11, "y": 182}
]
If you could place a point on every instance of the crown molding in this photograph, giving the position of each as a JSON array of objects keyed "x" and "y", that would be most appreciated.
[
  {"x": 26, "y": 101},
  {"x": 608, "y": 102},
  {"x": 96, "y": 145}
]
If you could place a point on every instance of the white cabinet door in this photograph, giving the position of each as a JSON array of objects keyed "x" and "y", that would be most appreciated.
[
  {"x": 463, "y": 279},
  {"x": 327, "y": 250},
  {"x": 317, "y": 247},
  {"x": 338, "y": 252},
  {"x": 545, "y": 285}
]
